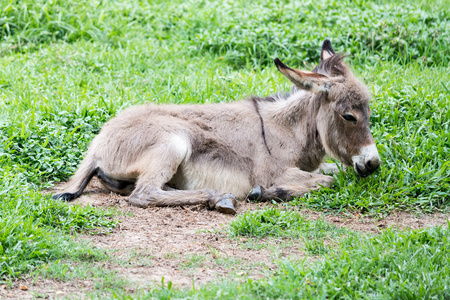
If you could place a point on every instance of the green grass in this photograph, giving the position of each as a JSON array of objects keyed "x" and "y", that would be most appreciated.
[
  {"x": 369, "y": 30},
  {"x": 273, "y": 222},
  {"x": 410, "y": 264},
  {"x": 67, "y": 67},
  {"x": 34, "y": 228},
  {"x": 279, "y": 223}
]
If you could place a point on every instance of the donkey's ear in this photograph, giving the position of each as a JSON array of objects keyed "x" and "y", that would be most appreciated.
[
  {"x": 327, "y": 50},
  {"x": 310, "y": 81}
]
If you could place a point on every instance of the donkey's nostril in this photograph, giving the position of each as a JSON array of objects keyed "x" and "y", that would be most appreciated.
[{"x": 373, "y": 164}]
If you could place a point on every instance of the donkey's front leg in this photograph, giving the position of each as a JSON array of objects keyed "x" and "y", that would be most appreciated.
[
  {"x": 148, "y": 194},
  {"x": 292, "y": 183},
  {"x": 329, "y": 168}
]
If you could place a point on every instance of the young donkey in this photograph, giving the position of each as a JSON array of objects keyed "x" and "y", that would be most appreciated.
[{"x": 189, "y": 154}]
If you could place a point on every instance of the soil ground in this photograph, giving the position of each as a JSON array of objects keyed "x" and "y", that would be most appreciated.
[{"x": 188, "y": 245}]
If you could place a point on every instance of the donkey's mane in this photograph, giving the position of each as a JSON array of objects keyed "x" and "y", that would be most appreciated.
[
  {"x": 275, "y": 97},
  {"x": 255, "y": 100},
  {"x": 332, "y": 66}
]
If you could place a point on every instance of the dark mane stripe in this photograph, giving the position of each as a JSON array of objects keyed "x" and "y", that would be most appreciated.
[
  {"x": 263, "y": 131},
  {"x": 332, "y": 66}
]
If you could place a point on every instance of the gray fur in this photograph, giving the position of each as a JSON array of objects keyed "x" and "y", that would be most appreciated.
[{"x": 188, "y": 154}]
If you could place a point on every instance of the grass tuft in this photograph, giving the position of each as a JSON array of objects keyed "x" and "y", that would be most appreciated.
[{"x": 276, "y": 222}]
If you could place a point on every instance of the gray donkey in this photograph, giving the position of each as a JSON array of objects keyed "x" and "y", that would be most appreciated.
[{"x": 260, "y": 148}]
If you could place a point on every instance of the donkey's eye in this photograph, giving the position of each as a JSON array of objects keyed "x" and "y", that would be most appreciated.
[{"x": 349, "y": 117}]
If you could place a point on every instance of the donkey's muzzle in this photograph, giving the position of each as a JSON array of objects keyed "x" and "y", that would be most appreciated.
[
  {"x": 368, "y": 169},
  {"x": 367, "y": 162}
]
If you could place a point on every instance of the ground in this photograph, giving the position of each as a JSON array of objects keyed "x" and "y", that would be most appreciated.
[{"x": 189, "y": 245}]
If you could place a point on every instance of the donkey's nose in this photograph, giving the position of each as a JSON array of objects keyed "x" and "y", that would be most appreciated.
[
  {"x": 368, "y": 168},
  {"x": 367, "y": 162},
  {"x": 372, "y": 164}
]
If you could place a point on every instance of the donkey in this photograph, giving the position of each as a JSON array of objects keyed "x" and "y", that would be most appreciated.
[{"x": 259, "y": 148}]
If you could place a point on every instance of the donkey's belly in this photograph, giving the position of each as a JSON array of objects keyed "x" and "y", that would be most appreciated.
[{"x": 196, "y": 176}]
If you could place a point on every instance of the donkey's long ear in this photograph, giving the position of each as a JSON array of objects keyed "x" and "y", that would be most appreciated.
[
  {"x": 327, "y": 50},
  {"x": 310, "y": 81}
]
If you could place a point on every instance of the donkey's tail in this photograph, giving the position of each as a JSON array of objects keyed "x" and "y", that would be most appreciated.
[{"x": 80, "y": 180}]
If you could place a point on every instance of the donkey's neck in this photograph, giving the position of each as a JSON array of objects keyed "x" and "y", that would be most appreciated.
[
  {"x": 298, "y": 112},
  {"x": 289, "y": 109}
]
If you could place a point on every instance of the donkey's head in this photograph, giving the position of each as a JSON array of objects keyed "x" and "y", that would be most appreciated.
[{"x": 343, "y": 111}]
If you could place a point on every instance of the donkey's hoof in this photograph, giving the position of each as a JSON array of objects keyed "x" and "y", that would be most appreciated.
[
  {"x": 255, "y": 193},
  {"x": 226, "y": 205}
]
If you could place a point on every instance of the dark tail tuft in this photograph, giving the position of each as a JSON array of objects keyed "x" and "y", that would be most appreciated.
[{"x": 65, "y": 196}]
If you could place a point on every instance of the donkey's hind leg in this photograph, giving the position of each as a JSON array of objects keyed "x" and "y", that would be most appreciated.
[
  {"x": 152, "y": 190},
  {"x": 293, "y": 183},
  {"x": 121, "y": 187},
  {"x": 146, "y": 195}
]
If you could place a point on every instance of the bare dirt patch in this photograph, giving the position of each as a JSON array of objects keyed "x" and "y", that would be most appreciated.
[
  {"x": 31, "y": 288},
  {"x": 188, "y": 245},
  {"x": 185, "y": 245}
]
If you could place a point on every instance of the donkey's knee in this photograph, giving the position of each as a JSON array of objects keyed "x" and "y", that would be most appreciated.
[
  {"x": 290, "y": 190},
  {"x": 139, "y": 201},
  {"x": 148, "y": 197}
]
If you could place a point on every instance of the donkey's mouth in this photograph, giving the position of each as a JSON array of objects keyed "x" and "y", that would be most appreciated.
[
  {"x": 367, "y": 161},
  {"x": 361, "y": 172}
]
